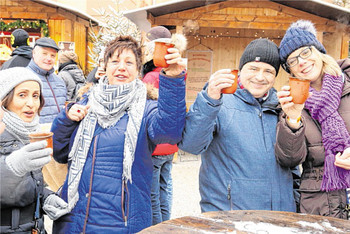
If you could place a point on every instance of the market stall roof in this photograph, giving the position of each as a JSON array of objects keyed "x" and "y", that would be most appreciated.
[
  {"x": 73, "y": 10},
  {"x": 316, "y": 7}
]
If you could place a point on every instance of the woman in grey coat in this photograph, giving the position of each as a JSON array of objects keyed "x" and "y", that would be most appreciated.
[{"x": 23, "y": 198}]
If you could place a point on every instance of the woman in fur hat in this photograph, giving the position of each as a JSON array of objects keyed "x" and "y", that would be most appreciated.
[
  {"x": 316, "y": 133},
  {"x": 22, "y": 194},
  {"x": 108, "y": 139}
]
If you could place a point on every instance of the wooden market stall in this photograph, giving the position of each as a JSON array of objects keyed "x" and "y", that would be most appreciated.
[
  {"x": 67, "y": 26},
  {"x": 221, "y": 29}
]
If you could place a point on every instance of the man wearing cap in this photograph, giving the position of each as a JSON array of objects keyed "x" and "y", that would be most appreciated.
[
  {"x": 54, "y": 89},
  {"x": 22, "y": 54},
  {"x": 235, "y": 135}
]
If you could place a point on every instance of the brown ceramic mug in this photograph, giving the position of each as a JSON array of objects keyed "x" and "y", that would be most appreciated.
[
  {"x": 299, "y": 89},
  {"x": 40, "y": 136},
  {"x": 160, "y": 50},
  {"x": 232, "y": 89}
]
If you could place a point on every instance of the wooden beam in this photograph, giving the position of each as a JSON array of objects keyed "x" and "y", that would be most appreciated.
[
  {"x": 150, "y": 18},
  {"x": 237, "y": 24},
  {"x": 345, "y": 46}
]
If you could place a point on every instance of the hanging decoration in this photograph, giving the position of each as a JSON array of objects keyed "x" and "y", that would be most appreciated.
[
  {"x": 35, "y": 24},
  {"x": 113, "y": 24}
]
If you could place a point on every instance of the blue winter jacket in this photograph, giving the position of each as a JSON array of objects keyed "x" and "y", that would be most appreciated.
[
  {"x": 101, "y": 197},
  {"x": 54, "y": 92},
  {"x": 235, "y": 136}
]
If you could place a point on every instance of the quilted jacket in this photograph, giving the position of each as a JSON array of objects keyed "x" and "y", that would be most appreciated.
[
  {"x": 104, "y": 205},
  {"x": 54, "y": 92}
]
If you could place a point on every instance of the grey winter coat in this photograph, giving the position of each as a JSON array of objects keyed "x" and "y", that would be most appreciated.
[
  {"x": 18, "y": 195},
  {"x": 305, "y": 146},
  {"x": 73, "y": 77}
]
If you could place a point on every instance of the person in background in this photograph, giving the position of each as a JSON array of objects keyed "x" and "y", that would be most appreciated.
[
  {"x": 316, "y": 133},
  {"x": 54, "y": 89},
  {"x": 22, "y": 54},
  {"x": 98, "y": 71},
  {"x": 23, "y": 198},
  {"x": 162, "y": 156},
  {"x": 2, "y": 125},
  {"x": 71, "y": 74},
  {"x": 235, "y": 135},
  {"x": 108, "y": 138}
]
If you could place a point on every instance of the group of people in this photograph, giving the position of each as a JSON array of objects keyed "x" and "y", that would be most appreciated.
[{"x": 250, "y": 141}]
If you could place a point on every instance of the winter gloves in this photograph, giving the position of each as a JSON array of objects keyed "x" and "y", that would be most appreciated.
[
  {"x": 55, "y": 207},
  {"x": 29, "y": 158}
]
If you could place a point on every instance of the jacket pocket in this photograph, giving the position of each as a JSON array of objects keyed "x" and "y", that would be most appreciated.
[{"x": 247, "y": 194}]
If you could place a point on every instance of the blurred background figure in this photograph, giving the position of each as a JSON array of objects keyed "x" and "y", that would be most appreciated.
[
  {"x": 99, "y": 71},
  {"x": 54, "y": 89},
  {"x": 162, "y": 156},
  {"x": 71, "y": 74},
  {"x": 22, "y": 54}
]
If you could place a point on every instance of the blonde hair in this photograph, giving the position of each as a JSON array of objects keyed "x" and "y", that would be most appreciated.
[{"x": 330, "y": 65}]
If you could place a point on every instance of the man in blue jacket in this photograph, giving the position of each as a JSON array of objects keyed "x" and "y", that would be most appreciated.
[
  {"x": 54, "y": 88},
  {"x": 235, "y": 135}
]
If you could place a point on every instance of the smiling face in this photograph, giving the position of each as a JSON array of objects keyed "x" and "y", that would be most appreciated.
[
  {"x": 258, "y": 78},
  {"x": 121, "y": 68},
  {"x": 26, "y": 100},
  {"x": 44, "y": 57},
  {"x": 309, "y": 68}
]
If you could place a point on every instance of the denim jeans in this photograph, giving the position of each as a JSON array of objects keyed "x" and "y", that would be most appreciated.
[{"x": 162, "y": 188}]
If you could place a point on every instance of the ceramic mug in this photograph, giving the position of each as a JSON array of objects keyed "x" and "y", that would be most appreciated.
[
  {"x": 160, "y": 50},
  {"x": 233, "y": 87},
  {"x": 299, "y": 89}
]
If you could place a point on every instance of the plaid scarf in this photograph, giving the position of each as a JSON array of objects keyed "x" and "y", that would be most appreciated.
[
  {"x": 108, "y": 104},
  {"x": 323, "y": 106}
]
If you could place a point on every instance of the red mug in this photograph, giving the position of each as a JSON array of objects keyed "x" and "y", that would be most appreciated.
[
  {"x": 232, "y": 89},
  {"x": 299, "y": 89},
  {"x": 160, "y": 50}
]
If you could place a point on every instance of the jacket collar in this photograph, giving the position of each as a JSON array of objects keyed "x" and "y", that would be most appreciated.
[
  {"x": 271, "y": 102},
  {"x": 38, "y": 70}
]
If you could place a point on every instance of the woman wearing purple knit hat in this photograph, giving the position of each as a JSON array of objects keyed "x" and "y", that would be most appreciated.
[{"x": 316, "y": 133}]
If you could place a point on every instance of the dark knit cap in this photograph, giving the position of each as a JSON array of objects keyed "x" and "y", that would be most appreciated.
[
  {"x": 47, "y": 42},
  {"x": 299, "y": 34},
  {"x": 261, "y": 50},
  {"x": 19, "y": 37},
  {"x": 158, "y": 32}
]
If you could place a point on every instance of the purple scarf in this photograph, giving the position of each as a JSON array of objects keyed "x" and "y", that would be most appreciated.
[{"x": 323, "y": 106}]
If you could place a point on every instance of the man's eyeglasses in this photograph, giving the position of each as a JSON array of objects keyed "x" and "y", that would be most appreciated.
[{"x": 305, "y": 53}]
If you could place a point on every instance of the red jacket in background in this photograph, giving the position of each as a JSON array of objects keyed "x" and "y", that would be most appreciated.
[{"x": 152, "y": 78}]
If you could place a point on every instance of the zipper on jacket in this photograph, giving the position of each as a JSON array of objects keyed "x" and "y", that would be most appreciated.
[
  {"x": 229, "y": 195},
  {"x": 90, "y": 187},
  {"x": 125, "y": 202},
  {"x": 53, "y": 94}
]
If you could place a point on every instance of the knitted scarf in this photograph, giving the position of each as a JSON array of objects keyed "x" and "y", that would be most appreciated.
[
  {"x": 108, "y": 104},
  {"x": 323, "y": 106},
  {"x": 17, "y": 127}
]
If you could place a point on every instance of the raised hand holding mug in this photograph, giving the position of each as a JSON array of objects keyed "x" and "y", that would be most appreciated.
[{"x": 299, "y": 89}]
